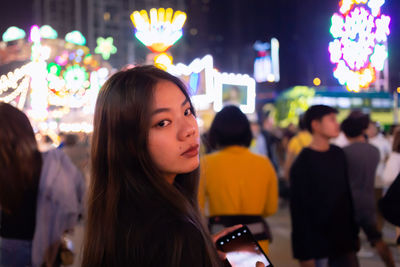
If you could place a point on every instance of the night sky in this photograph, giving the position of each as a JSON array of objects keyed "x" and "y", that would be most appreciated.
[{"x": 301, "y": 26}]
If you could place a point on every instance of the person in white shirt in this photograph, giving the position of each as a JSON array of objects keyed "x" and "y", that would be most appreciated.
[
  {"x": 392, "y": 168},
  {"x": 377, "y": 139}
]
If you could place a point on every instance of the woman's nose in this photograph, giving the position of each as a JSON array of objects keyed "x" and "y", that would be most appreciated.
[{"x": 188, "y": 130}]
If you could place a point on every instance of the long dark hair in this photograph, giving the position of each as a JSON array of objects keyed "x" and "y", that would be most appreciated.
[
  {"x": 124, "y": 179},
  {"x": 20, "y": 159}
]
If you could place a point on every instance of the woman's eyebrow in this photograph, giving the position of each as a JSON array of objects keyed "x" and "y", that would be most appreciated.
[
  {"x": 160, "y": 110},
  {"x": 184, "y": 102}
]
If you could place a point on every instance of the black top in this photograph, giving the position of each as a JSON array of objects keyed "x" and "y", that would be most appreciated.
[
  {"x": 390, "y": 203},
  {"x": 163, "y": 238},
  {"x": 321, "y": 206},
  {"x": 20, "y": 224}
]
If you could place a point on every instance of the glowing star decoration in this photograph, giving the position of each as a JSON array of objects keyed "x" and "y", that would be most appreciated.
[
  {"x": 75, "y": 77},
  {"x": 75, "y": 37},
  {"x": 105, "y": 47},
  {"x": 235, "y": 89},
  {"x": 359, "y": 49},
  {"x": 48, "y": 32},
  {"x": 159, "y": 31},
  {"x": 13, "y": 33}
]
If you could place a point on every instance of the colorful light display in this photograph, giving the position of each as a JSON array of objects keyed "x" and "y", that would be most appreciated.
[
  {"x": 61, "y": 81},
  {"x": 75, "y": 77},
  {"x": 359, "y": 49},
  {"x": 13, "y": 33},
  {"x": 75, "y": 37},
  {"x": 105, "y": 47},
  {"x": 159, "y": 31}
]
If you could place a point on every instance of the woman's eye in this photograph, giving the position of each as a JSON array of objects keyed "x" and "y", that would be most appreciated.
[
  {"x": 188, "y": 112},
  {"x": 163, "y": 123}
]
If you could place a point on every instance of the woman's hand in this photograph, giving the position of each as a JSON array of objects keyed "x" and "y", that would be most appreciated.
[{"x": 218, "y": 235}]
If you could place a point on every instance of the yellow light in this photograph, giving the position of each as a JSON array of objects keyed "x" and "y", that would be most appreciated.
[
  {"x": 398, "y": 90},
  {"x": 317, "y": 81},
  {"x": 161, "y": 13},
  {"x": 163, "y": 61}
]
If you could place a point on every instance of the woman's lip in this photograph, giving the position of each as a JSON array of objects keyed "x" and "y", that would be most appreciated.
[{"x": 191, "y": 152}]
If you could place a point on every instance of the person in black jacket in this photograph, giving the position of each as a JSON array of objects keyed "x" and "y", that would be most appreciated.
[
  {"x": 389, "y": 205},
  {"x": 143, "y": 208},
  {"x": 323, "y": 226}
]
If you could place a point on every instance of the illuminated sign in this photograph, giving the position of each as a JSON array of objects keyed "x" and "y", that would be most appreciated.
[
  {"x": 266, "y": 65},
  {"x": 359, "y": 49},
  {"x": 234, "y": 89},
  {"x": 199, "y": 79},
  {"x": 159, "y": 31}
]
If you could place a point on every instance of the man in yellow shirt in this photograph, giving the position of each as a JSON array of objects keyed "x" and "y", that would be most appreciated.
[
  {"x": 235, "y": 181},
  {"x": 295, "y": 146}
]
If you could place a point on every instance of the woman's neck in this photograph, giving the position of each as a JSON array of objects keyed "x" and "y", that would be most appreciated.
[{"x": 170, "y": 178}]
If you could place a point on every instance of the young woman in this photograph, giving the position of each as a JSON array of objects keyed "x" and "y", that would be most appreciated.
[{"x": 143, "y": 207}]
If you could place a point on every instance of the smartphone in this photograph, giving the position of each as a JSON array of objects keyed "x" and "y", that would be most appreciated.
[{"x": 242, "y": 249}]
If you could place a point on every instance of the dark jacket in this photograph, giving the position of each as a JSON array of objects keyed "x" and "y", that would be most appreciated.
[{"x": 390, "y": 203}]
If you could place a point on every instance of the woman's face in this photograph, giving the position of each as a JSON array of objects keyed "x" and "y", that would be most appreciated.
[{"x": 173, "y": 135}]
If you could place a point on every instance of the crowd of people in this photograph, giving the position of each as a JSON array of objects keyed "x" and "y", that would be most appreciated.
[{"x": 151, "y": 194}]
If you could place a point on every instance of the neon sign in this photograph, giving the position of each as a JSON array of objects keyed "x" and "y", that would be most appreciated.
[
  {"x": 159, "y": 31},
  {"x": 199, "y": 78},
  {"x": 359, "y": 49},
  {"x": 266, "y": 65}
]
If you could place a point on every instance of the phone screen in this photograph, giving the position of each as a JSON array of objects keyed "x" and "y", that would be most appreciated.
[{"x": 241, "y": 249}]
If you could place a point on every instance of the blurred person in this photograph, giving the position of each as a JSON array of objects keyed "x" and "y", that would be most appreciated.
[
  {"x": 296, "y": 145},
  {"x": 390, "y": 203},
  {"x": 257, "y": 144},
  {"x": 143, "y": 208},
  {"x": 45, "y": 143},
  {"x": 40, "y": 195},
  {"x": 62, "y": 136},
  {"x": 362, "y": 161},
  {"x": 271, "y": 139},
  {"x": 77, "y": 151},
  {"x": 288, "y": 133},
  {"x": 392, "y": 168},
  {"x": 240, "y": 187},
  {"x": 377, "y": 139},
  {"x": 324, "y": 232}
]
